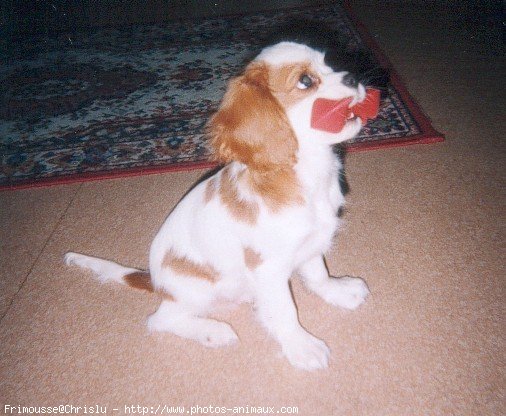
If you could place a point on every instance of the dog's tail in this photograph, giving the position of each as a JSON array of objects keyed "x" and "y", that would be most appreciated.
[{"x": 106, "y": 270}]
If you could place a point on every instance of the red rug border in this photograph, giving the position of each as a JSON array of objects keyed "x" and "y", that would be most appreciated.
[{"x": 429, "y": 134}]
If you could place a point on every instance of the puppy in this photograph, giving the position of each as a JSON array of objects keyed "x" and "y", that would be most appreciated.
[{"x": 268, "y": 214}]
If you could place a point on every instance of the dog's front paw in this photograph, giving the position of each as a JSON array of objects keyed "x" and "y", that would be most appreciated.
[
  {"x": 346, "y": 292},
  {"x": 305, "y": 351}
]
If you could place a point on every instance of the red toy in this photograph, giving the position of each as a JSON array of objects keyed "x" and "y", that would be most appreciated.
[{"x": 331, "y": 115}]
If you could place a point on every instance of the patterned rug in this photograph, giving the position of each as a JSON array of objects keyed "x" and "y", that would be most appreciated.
[{"x": 118, "y": 102}]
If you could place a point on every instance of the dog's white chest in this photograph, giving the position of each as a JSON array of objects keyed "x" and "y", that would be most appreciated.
[{"x": 322, "y": 219}]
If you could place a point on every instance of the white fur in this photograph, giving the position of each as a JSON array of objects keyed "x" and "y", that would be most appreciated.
[
  {"x": 104, "y": 270},
  {"x": 290, "y": 241}
]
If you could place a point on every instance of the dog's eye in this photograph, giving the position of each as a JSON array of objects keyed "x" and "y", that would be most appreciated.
[{"x": 305, "y": 82}]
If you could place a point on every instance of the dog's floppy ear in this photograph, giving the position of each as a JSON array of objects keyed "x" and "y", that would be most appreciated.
[{"x": 251, "y": 126}]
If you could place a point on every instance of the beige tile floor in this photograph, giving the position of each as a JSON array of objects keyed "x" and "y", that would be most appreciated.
[
  {"x": 29, "y": 219},
  {"x": 424, "y": 227}
]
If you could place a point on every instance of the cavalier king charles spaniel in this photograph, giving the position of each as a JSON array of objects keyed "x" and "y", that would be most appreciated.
[{"x": 268, "y": 214}]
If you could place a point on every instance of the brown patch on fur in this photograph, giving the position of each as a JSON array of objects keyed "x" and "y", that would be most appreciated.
[
  {"x": 251, "y": 127},
  {"x": 186, "y": 267},
  {"x": 252, "y": 259},
  {"x": 139, "y": 280},
  {"x": 283, "y": 82},
  {"x": 277, "y": 188},
  {"x": 142, "y": 280},
  {"x": 240, "y": 209},
  {"x": 167, "y": 296},
  {"x": 210, "y": 190}
]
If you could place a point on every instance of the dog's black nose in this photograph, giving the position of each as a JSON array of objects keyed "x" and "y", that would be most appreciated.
[{"x": 350, "y": 81}]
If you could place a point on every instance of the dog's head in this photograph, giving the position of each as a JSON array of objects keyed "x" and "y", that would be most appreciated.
[{"x": 266, "y": 112}]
